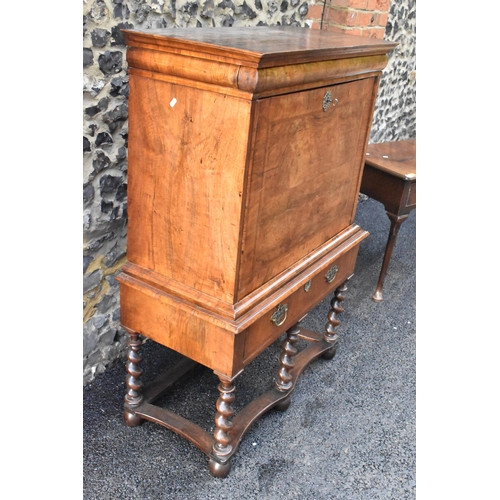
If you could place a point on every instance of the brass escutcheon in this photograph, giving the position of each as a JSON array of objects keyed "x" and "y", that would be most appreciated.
[
  {"x": 307, "y": 286},
  {"x": 327, "y": 100},
  {"x": 330, "y": 275},
  {"x": 279, "y": 316}
]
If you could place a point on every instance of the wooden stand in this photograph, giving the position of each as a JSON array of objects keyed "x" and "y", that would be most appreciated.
[
  {"x": 246, "y": 148},
  {"x": 221, "y": 447}
]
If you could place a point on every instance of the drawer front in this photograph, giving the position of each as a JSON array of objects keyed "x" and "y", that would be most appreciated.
[
  {"x": 294, "y": 307},
  {"x": 304, "y": 176}
]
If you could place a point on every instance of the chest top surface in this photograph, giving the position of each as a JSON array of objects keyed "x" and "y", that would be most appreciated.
[{"x": 263, "y": 46}]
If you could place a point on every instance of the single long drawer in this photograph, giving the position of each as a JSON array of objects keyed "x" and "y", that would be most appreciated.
[{"x": 295, "y": 306}]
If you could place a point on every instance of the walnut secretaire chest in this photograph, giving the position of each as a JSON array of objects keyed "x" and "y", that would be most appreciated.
[{"x": 246, "y": 149}]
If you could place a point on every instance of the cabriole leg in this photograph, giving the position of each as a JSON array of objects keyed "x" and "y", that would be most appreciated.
[{"x": 391, "y": 241}]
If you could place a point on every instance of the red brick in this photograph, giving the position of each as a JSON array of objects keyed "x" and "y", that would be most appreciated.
[
  {"x": 358, "y": 19},
  {"x": 336, "y": 16},
  {"x": 371, "y": 5},
  {"x": 383, "y": 5},
  {"x": 376, "y": 33},
  {"x": 357, "y": 4},
  {"x": 365, "y": 19},
  {"x": 351, "y": 18},
  {"x": 381, "y": 20},
  {"x": 315, "y": 11},
  {"x": 339, "y": 3},
  {"x": 315, "y": 25}
]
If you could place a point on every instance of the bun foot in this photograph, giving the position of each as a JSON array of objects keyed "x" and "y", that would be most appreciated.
[
  {"x": 283, "y": 404},
  {"x": 131, "y": 419},
  {"x": 218, "y": 469},
  {"x": 330, "y": 353}
]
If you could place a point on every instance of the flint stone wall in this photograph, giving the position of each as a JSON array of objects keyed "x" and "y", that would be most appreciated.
[
  {"x": 105, "y": 110},
  {"x": 396, "y": 107}
]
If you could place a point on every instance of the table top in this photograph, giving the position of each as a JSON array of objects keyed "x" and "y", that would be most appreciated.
[{"x": 397, "y": 158}]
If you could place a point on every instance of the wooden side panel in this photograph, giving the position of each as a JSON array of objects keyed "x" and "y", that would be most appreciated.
[
  {"x": 175, "y": 324},
  {"x": 396, "y": 194},
  {"x": 412, "y": 196},
  {"x": 187, "y": 153},
  {"x": 383, "y": 187},
  {"x": 304, "y": 176}
]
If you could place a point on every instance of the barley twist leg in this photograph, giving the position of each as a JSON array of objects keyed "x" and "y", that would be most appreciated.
[{"x": 333, "y": 322}]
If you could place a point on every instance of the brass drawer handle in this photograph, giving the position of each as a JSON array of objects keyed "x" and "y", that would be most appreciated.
[
  {"x": 307, "y": 286},
  {"x": 279, "y": 316},
  {"x": 330, "y": 275}
]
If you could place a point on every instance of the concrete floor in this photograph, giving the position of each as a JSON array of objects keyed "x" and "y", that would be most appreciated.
[{"x": 348, "y": 434}]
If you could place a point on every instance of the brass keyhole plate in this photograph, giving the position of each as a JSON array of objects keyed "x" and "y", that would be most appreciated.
[{"x": 327, "y": 100}]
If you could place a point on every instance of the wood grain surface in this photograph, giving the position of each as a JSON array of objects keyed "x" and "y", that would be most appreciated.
[
  {"x": 398, "y": 158},
  {"x": 304, "y": 178},
  {"x": 262, "y": 46},
  {"x": 246, "y": 148},
  {"x": 187, "y": 153}
]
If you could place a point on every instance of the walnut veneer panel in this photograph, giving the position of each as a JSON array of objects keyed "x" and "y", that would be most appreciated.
[
  {"x": 246, "y": 147},
  {"x": 263, "y": 332},
  {"x": 263, "y": 46},
  {"x": 185, "y": 183},
  {"x": 305, "y": 176}
]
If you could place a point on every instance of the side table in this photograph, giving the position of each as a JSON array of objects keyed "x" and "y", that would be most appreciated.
[{"x": 390, "y": 177}]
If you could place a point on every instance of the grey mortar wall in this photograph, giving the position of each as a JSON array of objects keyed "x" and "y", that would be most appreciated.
[{"x": 105, "y": 115}]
